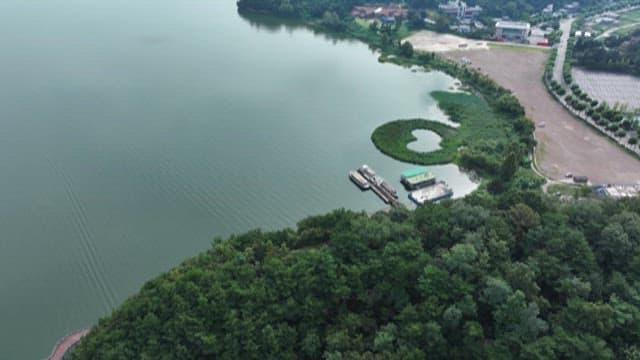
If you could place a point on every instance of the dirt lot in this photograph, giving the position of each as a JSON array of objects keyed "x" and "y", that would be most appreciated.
[
  {"x": 565, "y": 144},
  {"x": 434, "y": 42}
]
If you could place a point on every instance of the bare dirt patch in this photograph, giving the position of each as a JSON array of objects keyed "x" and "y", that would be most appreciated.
[
  {"x": 566, "y": 144},
  {"x": 433, "y": 42}
]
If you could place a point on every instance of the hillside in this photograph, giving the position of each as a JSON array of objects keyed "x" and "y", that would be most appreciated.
[{"x": 518, "y": 276}]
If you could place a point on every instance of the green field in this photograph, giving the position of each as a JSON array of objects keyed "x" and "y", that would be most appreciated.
[
  {"x": 630, "y": 17},
  {"x": 627, "y": 30},
  {"x": 576, "y": 191},
  {"x": 517, "y": 47},
  {"x": 626, "y": 19},
  {"x": 482, "y": 133}
]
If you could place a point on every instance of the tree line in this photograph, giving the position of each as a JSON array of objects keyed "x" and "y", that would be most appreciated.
[{"x": 617, "y": 53}]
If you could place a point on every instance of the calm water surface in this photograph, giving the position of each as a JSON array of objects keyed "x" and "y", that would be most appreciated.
[
  {"x": 426, "y": 141},
  {"x": 134, "y": 132}
]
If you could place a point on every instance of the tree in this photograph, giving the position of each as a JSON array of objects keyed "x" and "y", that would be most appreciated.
[
  {"x": 614, "y": 249},
  {"x": 416, "y": 19},
  {"x": 524, "y": 217},
  {"x": 496, "y": 292},
  {"x": 509, "y": 104},
  {"x": 406, "y": 49},
  {"x": 518, "y": 321},
  {"x": 511, "y": 162},
  {"x": 442, "y": 23},
  {"x": 331, "y": 20}
]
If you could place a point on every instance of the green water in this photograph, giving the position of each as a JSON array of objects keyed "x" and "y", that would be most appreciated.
[{"x": 134, "y": 132}]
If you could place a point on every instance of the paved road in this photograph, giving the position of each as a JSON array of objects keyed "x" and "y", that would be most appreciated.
[{"x": 565, "y": 26}]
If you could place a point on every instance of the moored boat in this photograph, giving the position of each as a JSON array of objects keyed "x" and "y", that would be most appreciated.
[
  {"x": 433, "y": 193},
  {"x": 359, "y": 180}
]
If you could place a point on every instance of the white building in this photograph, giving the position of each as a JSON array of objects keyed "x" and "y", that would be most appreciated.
[
  {"x": 460, "y": 9},
  {"x": 512, "y": 30}
]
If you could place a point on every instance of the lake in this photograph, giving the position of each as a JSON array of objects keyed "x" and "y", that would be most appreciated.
[{"x": 135, "y": 132}]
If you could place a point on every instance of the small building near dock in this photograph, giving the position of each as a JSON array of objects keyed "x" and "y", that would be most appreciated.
[
  {"x": 433, "y": 193},
  {"x": 412, "y": 172},
  {"x": 417, "y": 178}
]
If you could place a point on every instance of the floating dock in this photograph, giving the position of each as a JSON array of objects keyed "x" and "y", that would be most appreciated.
[
  {"x": 365, "y": 178},
  {"x": 433, "y": 193}
]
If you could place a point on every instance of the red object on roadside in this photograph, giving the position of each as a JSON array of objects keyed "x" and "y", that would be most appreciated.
[{"x": 543, "y": 42}]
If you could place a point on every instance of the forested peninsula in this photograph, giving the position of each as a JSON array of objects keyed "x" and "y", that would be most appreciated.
[
  {"x": 508, "y": 272},
  {"x": 515, "y": 276}
]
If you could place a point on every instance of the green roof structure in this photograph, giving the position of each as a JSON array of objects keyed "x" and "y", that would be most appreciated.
[
  {"x": 420, "y": 178},
  {"x": 413, "y": 172}
]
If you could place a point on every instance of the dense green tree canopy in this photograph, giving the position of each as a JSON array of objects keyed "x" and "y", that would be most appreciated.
[
  {"x": 298, "y": 8},
  {"x": 515, "y": 9},
  {"x": 506, "y": 277}
]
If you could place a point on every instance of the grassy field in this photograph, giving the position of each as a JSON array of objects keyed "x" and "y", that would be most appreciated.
[
  {"x": 576, "y": 191},
  {"x": 626, "y": 19},
  {"x": 630, "y": 17},
  {"x": 517, "y": 47},
  {"x": 362, "y": 22},
  {"x": 481, "y": 129},
  {"x": 627, "y": 30}
]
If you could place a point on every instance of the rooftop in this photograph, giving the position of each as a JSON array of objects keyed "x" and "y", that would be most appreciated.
[
  {"x": 413, "y": 180},
  {"x": 413, "y": 172},
  {"x": 505, "y": 24}
]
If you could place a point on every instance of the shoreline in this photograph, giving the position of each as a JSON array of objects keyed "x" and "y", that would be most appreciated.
[{"x": 63, "y": 345}]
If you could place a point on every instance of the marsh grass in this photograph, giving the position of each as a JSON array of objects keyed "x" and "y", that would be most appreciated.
[{"x": 479, "y": 126}]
